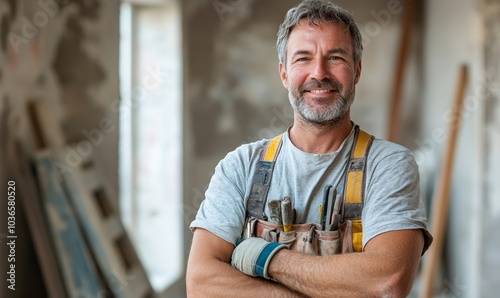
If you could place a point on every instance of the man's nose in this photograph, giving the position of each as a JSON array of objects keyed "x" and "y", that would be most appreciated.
[{"x": 320, "y": 70}]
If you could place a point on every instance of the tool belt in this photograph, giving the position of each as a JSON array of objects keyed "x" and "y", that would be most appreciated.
[
  {"x": 306, "y": 238},
  {"x": 312, "y": 238}
]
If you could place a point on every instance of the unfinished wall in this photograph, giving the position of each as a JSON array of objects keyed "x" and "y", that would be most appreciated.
[
  {"x": 64, "y": 52},
  {"x": 490, "y": 259},
  {"x": 468, "y": 35},
  {"x": 441, "y": 63}
]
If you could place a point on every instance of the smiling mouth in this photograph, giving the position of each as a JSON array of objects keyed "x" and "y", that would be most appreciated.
[
  {"x": 321, "y": 91},
  {"x": 325, "y": 87}
]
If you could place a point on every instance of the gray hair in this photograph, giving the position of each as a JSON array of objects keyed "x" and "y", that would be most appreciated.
[{"x": 314, "y": 11}]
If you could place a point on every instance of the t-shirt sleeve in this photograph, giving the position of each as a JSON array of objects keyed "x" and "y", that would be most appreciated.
[
  {"x": 392, "y": 198},
  {"x": 222, "y": 212}
]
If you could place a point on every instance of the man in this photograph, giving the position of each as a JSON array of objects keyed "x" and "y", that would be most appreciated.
[{"x": 319, "y": 48}]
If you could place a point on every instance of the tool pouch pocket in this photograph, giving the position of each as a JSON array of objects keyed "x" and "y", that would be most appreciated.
[{"x": 304, "y": 238}]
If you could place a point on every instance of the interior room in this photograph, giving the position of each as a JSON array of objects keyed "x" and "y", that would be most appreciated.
[{"x": 114, "y": 115}]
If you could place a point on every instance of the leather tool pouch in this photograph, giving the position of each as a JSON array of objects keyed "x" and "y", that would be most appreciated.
[{"x": 305, "y": 238}]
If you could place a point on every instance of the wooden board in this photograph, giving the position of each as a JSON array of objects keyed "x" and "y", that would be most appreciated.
[
  {"x": 95, "y": 206},
  {"x": 79, "y": 272},
  {"x": 35, "y": 217}
]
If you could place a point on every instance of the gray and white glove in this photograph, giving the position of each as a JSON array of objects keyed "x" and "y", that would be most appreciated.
[{"x": 253, "y": 255}]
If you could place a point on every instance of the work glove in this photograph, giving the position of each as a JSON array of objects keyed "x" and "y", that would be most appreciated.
[{"x": 253, "y": 255}]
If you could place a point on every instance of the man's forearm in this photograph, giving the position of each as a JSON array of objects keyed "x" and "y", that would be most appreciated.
[
  {"x": 209, "y": 273},
  {"x": 324, "y": 276},
  {"x": 377, "y": 273},
  {"x": 219, "y": 279}
]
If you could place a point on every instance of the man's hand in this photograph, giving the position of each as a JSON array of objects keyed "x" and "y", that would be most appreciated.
[{"x": 253, "y": 255}]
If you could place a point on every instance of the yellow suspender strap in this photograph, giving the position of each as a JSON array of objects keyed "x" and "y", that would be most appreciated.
[
  {"x": 262, "y": 179},
  {"x": 355, "y": 185},
  {"x": 355, "y": 176},
  {"x": 270, "y": 152}
]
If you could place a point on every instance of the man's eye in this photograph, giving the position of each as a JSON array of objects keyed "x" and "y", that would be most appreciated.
[
  {"x": 335, "y": 58},
  {"x": 302, "y": 59}
]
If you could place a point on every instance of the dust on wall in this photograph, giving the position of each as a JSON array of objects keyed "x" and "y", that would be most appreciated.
[
  {"x": 491, "y": 259},
  {"x": 64, "y": 52}
]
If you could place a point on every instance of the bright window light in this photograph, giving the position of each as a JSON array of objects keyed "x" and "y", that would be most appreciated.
[{"x": 150, "y": 136}]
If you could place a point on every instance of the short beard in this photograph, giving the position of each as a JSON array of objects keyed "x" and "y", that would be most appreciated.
[{"x": 330, "y": 115}]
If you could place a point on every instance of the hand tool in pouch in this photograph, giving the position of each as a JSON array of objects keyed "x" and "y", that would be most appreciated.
[
  {"x": 275, "y": 211},
  {"x": 324, "y": 206},
  {"x": 335, "y": 219},
  {"x": 332, "y": 194},
  {"x": 287, "y": 214}
]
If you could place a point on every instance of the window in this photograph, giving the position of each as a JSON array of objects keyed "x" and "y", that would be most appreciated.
[{"x": 150, "y": 136}]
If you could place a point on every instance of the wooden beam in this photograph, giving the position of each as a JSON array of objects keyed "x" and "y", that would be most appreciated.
[{"x": 400, "y": 71}]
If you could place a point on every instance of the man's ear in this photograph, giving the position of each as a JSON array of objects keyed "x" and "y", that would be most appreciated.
[
  {"x": 283, "y": 76},
  {"x": 358, "y": 73}
]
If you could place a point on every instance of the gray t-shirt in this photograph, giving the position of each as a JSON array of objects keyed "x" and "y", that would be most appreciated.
[{"x": 392, "y": 193}]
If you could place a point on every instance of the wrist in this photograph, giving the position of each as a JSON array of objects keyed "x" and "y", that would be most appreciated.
[
  {"x": 275, "y": 265},
  {"x": 266, "y": 257}
]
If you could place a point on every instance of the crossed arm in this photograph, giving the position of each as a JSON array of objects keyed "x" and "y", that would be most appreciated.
[
  {"x": 386, "y": 268},
  {"x": 210, "y": 274}
]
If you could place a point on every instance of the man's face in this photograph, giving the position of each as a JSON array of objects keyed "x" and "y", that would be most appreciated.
[{"x": 320, "y": 73}]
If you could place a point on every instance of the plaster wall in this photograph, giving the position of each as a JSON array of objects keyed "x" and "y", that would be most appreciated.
[
  {"x": 66, "y": 54},
  {"x": 468, "y": 35}
]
